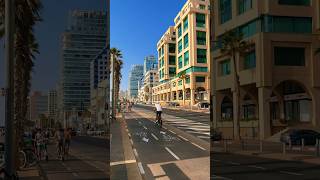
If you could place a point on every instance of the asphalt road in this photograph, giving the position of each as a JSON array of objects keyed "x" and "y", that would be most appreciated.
[
  {"x": 193, "y": 123},
  {"x": 195, "y": 116},
  {"x": 226, "y": 166},
  {"x": 162, "y": 153},
  {"x": 88, "y": 160}
]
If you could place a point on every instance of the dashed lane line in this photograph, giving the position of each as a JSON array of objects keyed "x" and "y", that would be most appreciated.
[
  {"x": 141, "y": 168},
  {"x": 291, "y": 173},
  {"x": 172, "y": 132},
  {"x": 174, "y": 155},
  {"x": 257, "y": 167},
  {"x": 135, "y": 152},
  {"x": 198, "y": 146},
  {"x": 122, "y": 162},
  {"x": 155, "y": 137},
  {"x": 145, "y": 127}
]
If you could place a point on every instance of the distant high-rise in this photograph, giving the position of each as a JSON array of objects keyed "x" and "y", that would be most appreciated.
[
  {"x": 135, "y": 76},
  {"x": 38, "y": 105},
  {"x": 150, "y": 63},
  {"x": 52, "y": 104},
  {"x": 84, "y": 38},
  {"x": 98, "y": 69}
]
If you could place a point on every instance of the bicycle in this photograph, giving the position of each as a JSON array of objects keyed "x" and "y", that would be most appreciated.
[
  {"x": 61, "y": 152},
  {"x": 158, "y": 119},
  {"x": 27, "y": 158}
]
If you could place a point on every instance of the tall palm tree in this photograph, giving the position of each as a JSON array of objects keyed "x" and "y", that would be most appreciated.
[
  {"x": 27, "y": 14},
  {"x": 117, "y": 55},
  {"x": 233, "y": 45}
]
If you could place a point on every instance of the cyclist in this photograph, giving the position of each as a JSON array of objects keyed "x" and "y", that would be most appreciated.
[
  {"x": 59, "y": 135},
  {"x": 158, "y": 110},
  {"x": 67, "y": 140}
]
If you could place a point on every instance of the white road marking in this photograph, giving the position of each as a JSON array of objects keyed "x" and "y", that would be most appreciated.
[
  {"x": 291, "y": 173},
  {"x": 141, "y": 168},
  {"x": 183, "y": 138},
  {"x": 155, "y": 137},
  {"x": 145, "y": 127},
  {"x": 131, "y": 141},
  {"x": 204, "y": 137},
  {"x": 135, "y": 152},
  {"x": 172, "y": 132},
  {"x": 174, "y": 155},
  {"x": 75, "y": 174},
  {"x": 257, "y": 167},
  {"x": 122, "y": 162},
  {"x": 234, "y": 163},
  {"x": 216, "y": 160},
  {"x": 219, "y": 177},
  {"x": 198, "y": 146}
]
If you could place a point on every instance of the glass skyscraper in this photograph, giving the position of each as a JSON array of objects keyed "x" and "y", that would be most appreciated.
[
  {"x": 98, "y": 69},
  {"x": 150, "y": 63},
  {"x": 83, "y": 40},
  {"x": 135, "y": 76}
]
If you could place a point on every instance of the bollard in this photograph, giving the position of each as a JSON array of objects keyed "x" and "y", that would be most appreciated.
[
  {"x": 225, "y": 146},
  {"x": 283, "y": 148},
  {"x": 302, "y": 144},
  {"x": 317, "y": 147},
  {"x": 261, "y": 146}
]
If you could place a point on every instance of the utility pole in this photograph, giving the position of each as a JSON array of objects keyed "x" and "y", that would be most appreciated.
[{"x": 9, "y": 109}]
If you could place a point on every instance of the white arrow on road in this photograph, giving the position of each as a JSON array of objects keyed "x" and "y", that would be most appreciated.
[
  {"x": 145, "y": 139},
  {"x": 161, "y": 132}
]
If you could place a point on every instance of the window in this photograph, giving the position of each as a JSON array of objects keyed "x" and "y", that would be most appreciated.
[
  {"x": 202, "y": 6},
  {"x": 248, "y": 29},
  {"x": 172, "y": 48},
  {"x": 188, "y": 80},
  {"x": 200, "y": 79},
  {"x": 185, "y": 24},
  {"x": 180, "y": 62},
  {"x": 180, "y": 82},
  {"x": 295, "y": 2},
  {"x": 200, "y": 20},
  {"x": 172, "y": 60},
  {"x": 186, "y": 41},
  {"x": 186, "y": 58},
  {"x": 244, "y": 5},
  {"x": 179, "y": 31},
  {"x": 225, "y": 10},
  {"x": 287, "y": 24},
  {"x": 250, "y": 60},
  {"x": 201, "y": 38},
  {"x": 201, "y": 56},
  {"x": 180, "y": 46},
  {"x": 289, "y": 56},
  {"x": 172, "y": 71},
  {"x": 225, "y": 67},
  {"x": 249, "y": 111}
]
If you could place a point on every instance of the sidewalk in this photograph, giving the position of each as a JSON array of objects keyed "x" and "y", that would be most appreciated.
[
  {"x": 31, "y": 173},
  {"x": 123, "y": 164},
  {"x": 184, "y": 108},
  {"x": 270, "y": 150}
]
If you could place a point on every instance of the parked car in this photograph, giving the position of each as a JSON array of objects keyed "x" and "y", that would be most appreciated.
[
  {"x": 296, "y": 136},
  {"x": 216, "y": 135},
  {"x": 202, "y": 105}
]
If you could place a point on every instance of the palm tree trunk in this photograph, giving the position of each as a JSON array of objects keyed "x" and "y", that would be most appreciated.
[{"x": 237, "y": 91}]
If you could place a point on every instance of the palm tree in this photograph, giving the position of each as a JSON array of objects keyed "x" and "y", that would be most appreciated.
[
  {"x": 27, "y": 14},
  {"x": 118, "y": 64},
  {"x": 183, "y": 77},
  {"x": 232, "y": 45}
]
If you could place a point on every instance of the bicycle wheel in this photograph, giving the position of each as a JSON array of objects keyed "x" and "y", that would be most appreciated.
[
  {"x": 22, "y": 159},
  {"x": 32, "y": 158}
]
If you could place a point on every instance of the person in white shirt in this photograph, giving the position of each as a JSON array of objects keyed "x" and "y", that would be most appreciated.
[{"x": 158, "y": 109}]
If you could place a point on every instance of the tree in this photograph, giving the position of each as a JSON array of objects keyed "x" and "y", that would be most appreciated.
[
  {"x": 183, "y": 77},
  {"x": 117, "y": 55},
  {"x": 233, "y": 45},
  {"x": 27, "y": 14}
]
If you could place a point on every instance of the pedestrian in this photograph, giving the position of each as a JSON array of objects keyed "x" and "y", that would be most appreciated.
[
  {"x": 67, "y": 140},
  {"x": 59, "y": 136}
]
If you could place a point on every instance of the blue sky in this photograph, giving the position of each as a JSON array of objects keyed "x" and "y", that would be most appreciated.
[{"x": 136, "y": 27}]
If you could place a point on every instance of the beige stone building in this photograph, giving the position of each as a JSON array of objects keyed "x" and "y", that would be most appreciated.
[
  {"x": 279, "y": 77},
  {"x": 184, "y": 68}
]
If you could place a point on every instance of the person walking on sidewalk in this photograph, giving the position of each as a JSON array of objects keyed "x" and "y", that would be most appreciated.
[
  {"x": 59, "y": 136},
  {"x": 67, "y": 140},
  {"x": 158, "y": 110}
]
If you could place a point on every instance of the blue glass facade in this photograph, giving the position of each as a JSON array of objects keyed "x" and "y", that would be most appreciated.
[
  {"x": 135, "y": 76},
  {"x": 150, "y": 63},
  {"x": 83, "y": 40}
]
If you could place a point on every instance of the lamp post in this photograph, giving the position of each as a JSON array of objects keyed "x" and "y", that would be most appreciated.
[{"x": 9, "y": 107}]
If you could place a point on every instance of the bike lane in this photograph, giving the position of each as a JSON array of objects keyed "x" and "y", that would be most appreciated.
[{"x": 165, "y": 154}]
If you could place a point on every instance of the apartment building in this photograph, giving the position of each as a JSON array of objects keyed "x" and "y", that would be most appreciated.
[
  {"x": 279, "y": 76},
  {"x": 184, "y": 69}
]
